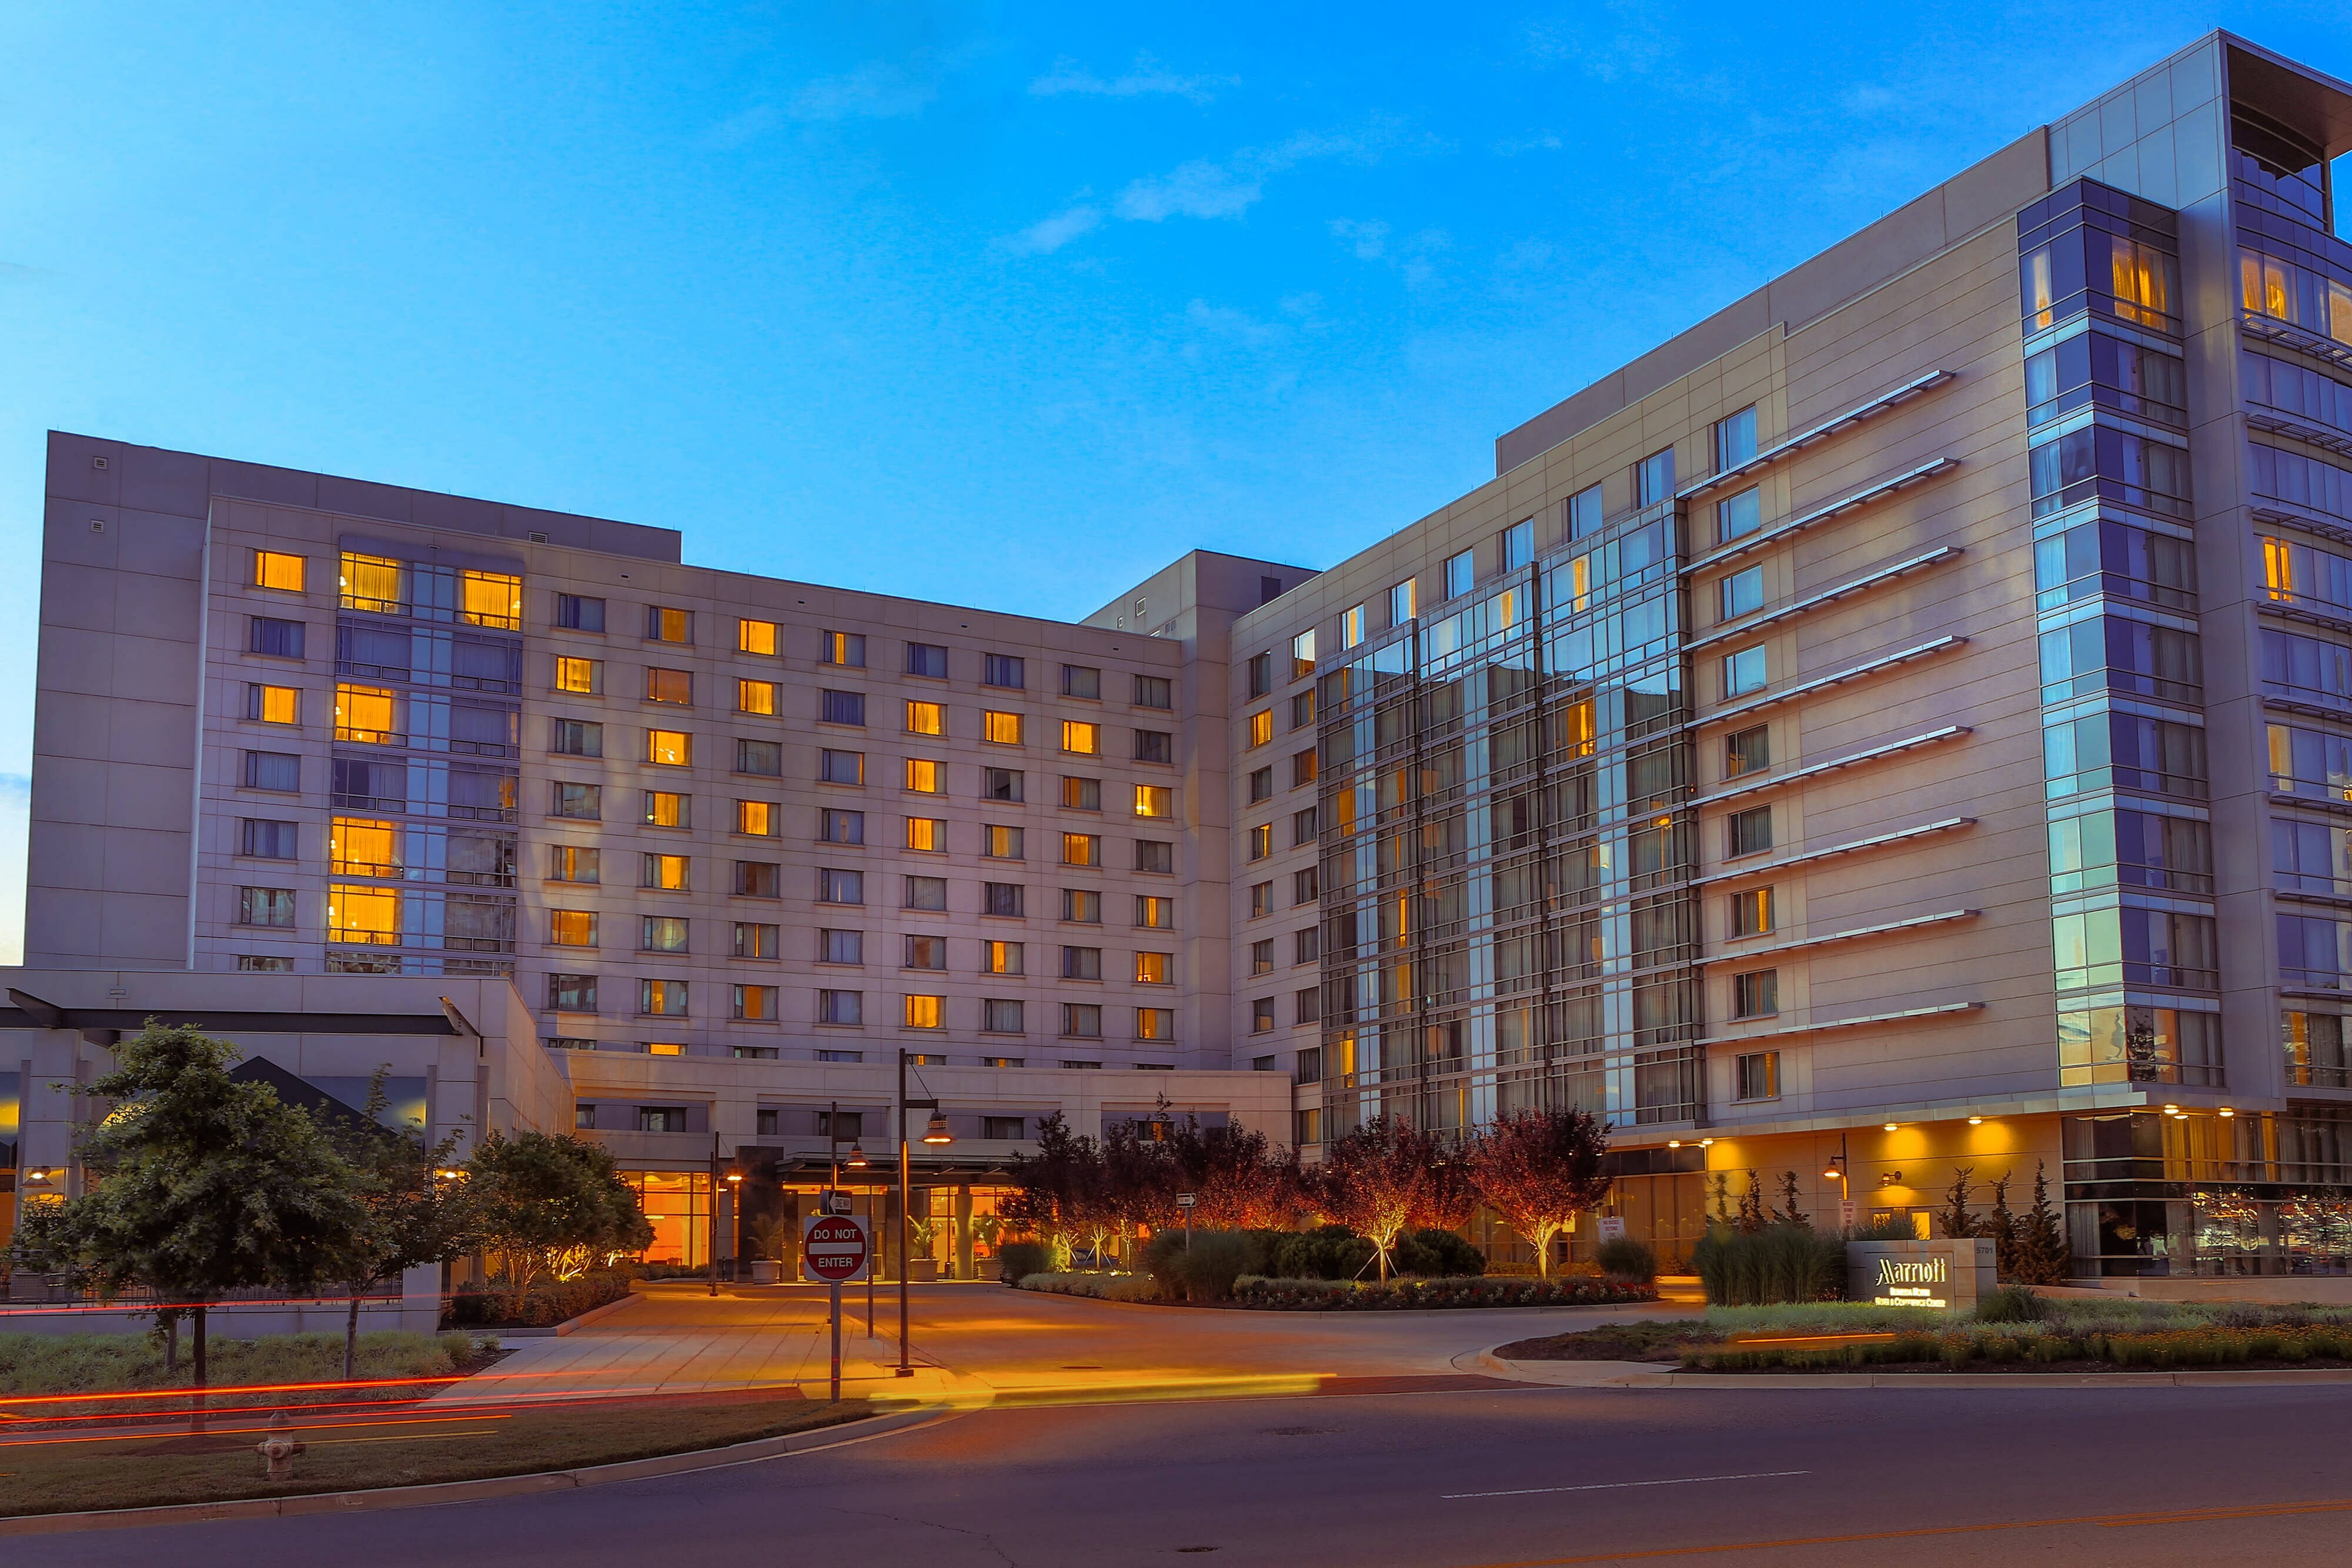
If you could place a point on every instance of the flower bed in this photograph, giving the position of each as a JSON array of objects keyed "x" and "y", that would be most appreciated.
[
  {"x": 1350, "y": 1296},
  {"x": 2125, "y": 1351}
]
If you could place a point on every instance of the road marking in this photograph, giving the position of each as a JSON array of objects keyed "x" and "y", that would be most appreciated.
[{"x": 1621, "y": 1486}]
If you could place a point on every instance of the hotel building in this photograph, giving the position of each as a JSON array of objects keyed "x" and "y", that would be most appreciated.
[{"x": 1896, "y": 733}]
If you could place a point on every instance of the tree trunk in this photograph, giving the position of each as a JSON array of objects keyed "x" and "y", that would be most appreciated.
[
  {"x": 351, "y": 1334},
  {"x": 196, "y": 1409},
  {"x": 171, "y": 1325},
  {"x": 1543, "y": 1254}
]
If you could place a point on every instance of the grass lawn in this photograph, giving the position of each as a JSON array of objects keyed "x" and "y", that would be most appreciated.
[
  {"x": 408, "y": 1447},
  {"x": 1663, "y": 1342},
  {"x": 32, "y": 1365}
]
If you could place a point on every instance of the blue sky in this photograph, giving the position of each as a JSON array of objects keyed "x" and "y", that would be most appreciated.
[{"x": 998, "y": 305}]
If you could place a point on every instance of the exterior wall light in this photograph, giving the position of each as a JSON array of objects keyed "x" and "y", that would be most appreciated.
[
  {"x": 2225, "y": 1113},
  {"x": 937, "y": 1133},
  {"x": 1975, "y": 1121},
  {"x": 1893, "y": 1127}
]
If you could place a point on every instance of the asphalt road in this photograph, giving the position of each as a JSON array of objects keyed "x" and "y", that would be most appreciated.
[{"x": 1435, "y": 1479}]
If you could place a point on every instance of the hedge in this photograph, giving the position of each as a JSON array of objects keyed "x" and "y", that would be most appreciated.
[
  {"x": 546, "y": 1303},
  {"x": 2154, "y": 1350},
  {"x": 1349, "y": 1296}
]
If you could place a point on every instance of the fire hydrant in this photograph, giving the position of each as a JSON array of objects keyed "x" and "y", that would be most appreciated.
[{"x": 279, "y": 1448}]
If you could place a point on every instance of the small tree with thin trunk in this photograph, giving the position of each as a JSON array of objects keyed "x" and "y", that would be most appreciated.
[
  {"x": 1750, "y": 1218},
  {"x": 1375, "y": 1179},
  {"x": 2042, "y": 1256},
  {"x": 413, "y": 1215},
  {"x": 1957, "y": 1222},
  {"x": 2001, "y": 1226},
  {"x": 1791, "y": 1211},
  {"x": 548, "y": 1203},
  {"x": 1539, "y": 1169}
]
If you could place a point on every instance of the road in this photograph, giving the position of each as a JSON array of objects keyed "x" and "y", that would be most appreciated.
[{"x": 1432, "y": 1477}]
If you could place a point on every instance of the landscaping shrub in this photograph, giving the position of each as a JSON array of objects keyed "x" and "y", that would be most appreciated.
[
  {"x": 1437, "y": 1254},
  {"x": 1205, "y": 1269},
  {"x": 1777, "y": 1263},
  {"x": 544, "y": 1304},
  {"x": 1626, "y": 1258},
  {"x": 1017, "y": 1259},
  {"x": 2012, "y": 1305},
  {"x": 1330, "y": 1252},
  {"x": 1349, "y": 1295},
  {"x": 1101, "y": 1287},
  {"x": 1957, "y": 1348}
]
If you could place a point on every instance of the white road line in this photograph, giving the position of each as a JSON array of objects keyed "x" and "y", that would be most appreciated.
[{"x": 1619, "y": 1486}]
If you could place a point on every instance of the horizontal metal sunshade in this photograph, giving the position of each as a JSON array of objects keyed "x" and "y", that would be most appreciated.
[
  {"x": 1846, "y": 589},
  {"x": 1823, "y": 682},
  {"x": 1908, "y": 1015},
  {"x": 1854, "y": 847},
  {"x": 1822, "y": 432},
  {"x": 1859, "y": 933},
  {"x": 1837, "y": 764},
  {"x": 1876, "y": 491}
]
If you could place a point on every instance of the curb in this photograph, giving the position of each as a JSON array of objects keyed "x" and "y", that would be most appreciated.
[
  {"x": 374, "y": 1498},
  {"x": 1632, "y": 1375}
]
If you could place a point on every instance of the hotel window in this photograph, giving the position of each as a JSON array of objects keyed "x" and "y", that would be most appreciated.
[
  {"x": 923, "y": 953},
  {"x": 1082, "y": 1021},
  {"x": 1155, "y": 855},
  {"x": 266, "y": 906},
  {"x": 1154, "y": 745},
  {"x": 1081, "y": 794},
  {"x": 841, "y": 707},
  {"x": 1736, "y": 516},
  {"x": 1082, "y": 963},
  {"x": 1735, "y": 439},
  {"x": 926, "y": 718},
  {"x": 575, "y": 737},
  {"x": 577, "y": 612},
  {"x": 925, "y": 777},
  {"x": 1000, "y": 784},
  {"x": 755, "y": 940},
  {"x": 1307, "y": 946},
  {"x": 1750, "y": 832},
  {"x": 841, "y": 827},
  {"x": 1747, "y": 751},
  {"x": 1155, "y": 802},
  {"x": 1351, "y": 627},
  {"x": 765, "y": 1124},
  {"x": 273, "y": 705},
  {"x": 1262, "y": 1015},
  {"x": 1461, "y": 573},
  {"x": 358, "y": 847},
  {"x": 928, "y": 834},
  {"x": 261, "y": 963},
  {"x": 1261, "y": 841},
  {"x": 1584, "y": 512},
  {"x": 1001, "y": 843},
  {"x": 369, "y": 914},
  {"x": 840, "y": 947},
  {"x": 1155, "y": 1023},
  {"x": 274, "y": 638},
  {"x": 374, "y": 582},
  {"x": 755, "y": 1004},
  {"x": 1154, "y": 691},
  {"x": 578, "y": 803},
  {"x": 1000, "y": 958},
  {"x": 1751, "y": 911},
  {"x": 569, "y": 863},
  {"x": 667, "y": 625},
  {"x": 667, "y": 809},
  {"x": 1403, "y": 600},
  {"x": 1306, "y": 1006},
  {"x": 583, "y": 677},
  {"x": 1262, "y": 956},
  {"x": 1741, "y": 593},
  {"x": 489, "y": 598},
  {"x": 1082, "y": 849},
  {"x": 841, "y": 766},
  {"x": 1519, "y": 544},
  {"x": 1261, "y": 783},
  {"x": 924, "y": 1012},
  {"x": 1153, "y": 914},
  {"x": 1080, "y": 738},
  {"x": 1743, "y": 672},
  {"x": 1001, "y": 1014},
  {"x": 1757, "y": 1075},
  {"x": 265, "y": 839},
  {"x": 1082, "y": 681},
  {"x": 1261, "y": 674},
  {"x": 1653, "y": 478},
  {"x": 1003, "y": 669},
  {"x": 846, "y": 650},
  {"x": 840, "y": 1006},
  {"x": 669, "y": 749},
  {"x": 1261, "y": 727},
  {"x": 927, "y": 893},
  {"x": 928, "y": 660},
  {"x": 571, "y": 993},
  {"x": 998, "y": 728},
  {"x": 1304, "y": 886},
  {"x": 760, "y": 818},
  {"x": 759, "y": 879},
  {"x": 1302, "y": 709},
  {"x": 1302, "y": 767},
  {"x": 1302, "y": 827},
  {"x": 755, "y": 636},
  {"x": 1081, "y": 906},
  {"x": 277, "y": 570},
  {"x": 1003, "y": 898},
  {"x": 1261, "y": 894},
  {"x": 662, "y": 999},
  {"x": 1756, "y": 994},
  {"x": 1302, "y": 654},
  {"x": 755, "y": 697},
  {"x": 661, "y": 933},
  {"x": 1154, "y": 968},
  {"x": 367, "y": 715},
  {"x": 666, "y": 874}
]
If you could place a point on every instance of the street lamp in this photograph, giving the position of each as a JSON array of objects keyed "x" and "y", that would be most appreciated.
[
  {"x": 935, "y": 1132},
  {"x": 1839, "y": 1169}
]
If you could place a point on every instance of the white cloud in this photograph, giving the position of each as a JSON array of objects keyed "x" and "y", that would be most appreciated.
[
  {"x": 1619, "y": 39},
  {"x": 1366, "y": 240},
  {"x": 875, "y": 91},
  {"x": 1050, "y": 234},
  {"x": 1147, "y": 78},
  {"x": 1198, "y": 189},
  {"x": 1223, "y": 321}
]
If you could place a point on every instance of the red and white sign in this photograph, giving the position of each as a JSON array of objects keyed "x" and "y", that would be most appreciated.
[{"x": 833, "y": 1248}]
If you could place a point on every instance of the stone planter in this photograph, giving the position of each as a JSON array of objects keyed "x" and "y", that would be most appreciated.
[{"x": 766, "y": 1271}]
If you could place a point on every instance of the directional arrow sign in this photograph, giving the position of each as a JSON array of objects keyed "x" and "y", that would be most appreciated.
[{"x": 833, "y": 1248}]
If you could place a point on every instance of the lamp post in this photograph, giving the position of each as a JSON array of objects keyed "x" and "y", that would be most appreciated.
[
  {"x": 1840, "y": 1167},
  {"x": 857, "y": 1163},
  {"x": 935, "y": 1132},
  {"x": 714, "y": 1212}
]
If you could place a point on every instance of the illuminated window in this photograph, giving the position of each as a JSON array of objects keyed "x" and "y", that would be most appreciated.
[
  {"x": 926, "y": 718},
  {"x": 1351, "y": 627},
  {"x": 1302, "y": 654},
  {"x": 369, "y": 914},
  {"x": 663, "y": 1048},
  {"x": 666, "y": 625},
  {"x": 1081, "y": 738},
  {"x": 1081, "y": 848},
  {"x": 666, "y": 873},
  {"x": 374, "y": 582},
  {"x": 1000, "y": 728},
  {"x": 928, "y": 834},
  {"x": 1153, "y": 968},
  {"x": 924, "y": 1012},
  {"x": 1751, "y": 911},
  {"x": 489, "y": 598},
  {"x": 1261, "y": 841},
  {"x": 273, "y": 705},
  {"x": 670, "y": 686},
  {"x": 359, "y": 846},
  {"x": 1001, "y": 958},
  {"x": 755, "y": 697},
  {"x": 1081, "y": 794},
  {"x": 1154, "y": 800},
  {"x": 1155, "y": 913},
  {"x": 1155, "y": 1023},
  {"x": 670, "y": 748},
  {"x": 585, "y": 676},
  {"x": 925, "y": 777},
  {"x": 755, "y": 1004},
  {"x": 846, "y": 649},
  {"x": 1001, "y": 843},
  {"x": 365, "y": 714},
  {"x": 760, "y": 818},
  {"x": 755, "y": 636},
  {"x": 274, "y": 568},
  {"x": 662, "y": 999},
  {"x": 664, "y": 809},
  {"x": 1261, "y": 727},
  {"x": 572, "y": 927}
]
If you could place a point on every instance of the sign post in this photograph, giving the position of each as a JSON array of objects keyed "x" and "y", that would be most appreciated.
[
  {"x": 833, "y": 1249},
  {"x": 1185, "y": 1201},
  {"x": 1612, "y": 1227}
]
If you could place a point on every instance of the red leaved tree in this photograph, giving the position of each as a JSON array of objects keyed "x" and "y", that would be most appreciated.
[
  {"x": 1537, "y": 1169},
  {"x": 1376, "y": 1178}
]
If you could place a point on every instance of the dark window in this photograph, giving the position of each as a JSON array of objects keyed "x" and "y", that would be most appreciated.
[
  {"x": 925, "y": 892},
  {"x": 661, "y": 1118},
  {"x": 1003, "y": 669},
  {"x": 1154, "y": 745},
  {"x": 265, "y": 840},
  {"x": 1082, "y": 963},
  {"x": 841, "y": 707},
  {"x": 1269, "y": 588},
  {"x": 765, "y": 757},
  {"x": 576, "y": 738},
  {"x": 1151, "y": 854},
  {"x": 1082, "y": 1021},
  {"x": 1653, "y": 478},
  {"x": 927, "y": 659},
  {"x": 1154, "y": 691},
  {"x": 1261, "y": 675},
  {"x": 571, "y": 993},
  {"x": 1302, "y": 767},
  {"x": 1261, "y": 783},
  {"x": 1261, "y": 1015},
  {"x": 1005, "y": 1127},
  {"x": 755, "y": 941},
  {"x": 279, "y": 770},
  {"x": 840, "y": 947},
  {"x": 766, "y": 1124},
  {"x": 579, "y": 613},
  {"x": 1302, "y": 709},
  {"x": 1000, "y": 898},
  {"x": 1735, "y": 439},
  {"x": 2118, "y": 560},
  {"x": 842, "y": 767},
  {"x": 1307, "y": 946},
  {"x": 1756, "y": 994},
  {"x": 841, "y": 827},
  {"x": 1757, "y": 1076},
  {"x": 835, "y": 886},
  {"x": 1081, "y": 681},
  {"x": 1303, "y": 886},
  {"x": 1749, "y": 751},
  {"x": 1000, "y": 784},
  {"x": 1306, "y": 1006},
  {"x": 265, "y": 907},
  {"x": 582, "y": 802},
  {"x": 756, "y": 879},
  {"x": 1751, "y": 831},
  {"x": 278, "y": 638},
  {"x": 1302, "y": 827}
]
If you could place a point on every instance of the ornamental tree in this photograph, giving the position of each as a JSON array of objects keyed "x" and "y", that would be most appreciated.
[
  {"x": 1375, "y": 1179},
  {"x": 413, "y": 1215},
  {"x": 550, "y": 1203},
  {"x": 1538, "y": 1170}
]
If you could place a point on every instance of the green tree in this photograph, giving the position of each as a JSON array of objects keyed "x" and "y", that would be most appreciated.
[
  {"x": 2043, "y": 1255},
  {"x": 549, "y": 1203},
  {"x": 1957, "y": 1222},
  {"x": 2001, "y": 1226},
  {"x": 1539, "y": 1169},
  {"x": 1750, "y": 1219},
  {"x": 1055, "y": 1187},
  {"x": 1719, "y": 1185},
  {"x": 203, "y": 1185},
  {"x": 416, "y": 1215},
  {"x": 1791, "y": 1211}
]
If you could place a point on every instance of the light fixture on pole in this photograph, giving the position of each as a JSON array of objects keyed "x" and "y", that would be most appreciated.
[{"x": 935, "y": 1132}]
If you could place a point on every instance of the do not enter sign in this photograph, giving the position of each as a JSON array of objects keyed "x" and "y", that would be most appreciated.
[{"x": 833, "y": 1248}]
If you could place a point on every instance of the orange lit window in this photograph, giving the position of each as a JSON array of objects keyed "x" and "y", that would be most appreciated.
[
  {"x": 755, "y": 697},
  {"x": 585, "y": 676},
  {"x": 670, "y": 686},
  {"x": 925, "y": 1012},
  {"x": 374, "y": 582},
  {"x": 369, "y": 914},
  {"x": 670, "y": 748},
  {"x": 358, "y": 846},
  {"x": 925, "y": 777},
  {"x": 926, "y": 718},
  {"x": 755, "y": 636},
  {"x": 277, "y": 704},
  {"x": 663, "y": 1048},
  {"x": 1080, "y": 738},
  {"x": 1154, "y": 800},
  {"x": 1081, "y": 848},
  {"x": 1002, "y": 728},
  {"x": 757, "y": 817},
  {"x": 365, "y": 714},
  {"x": 927, "y": 833},
  {"x": 273, "y": 568},
  {"x": 1151, "y": 969},
  {"x": 572, "y": 927},
  {"x": 1261, "y": 727},
  {"x": 489, "y": 598}
]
